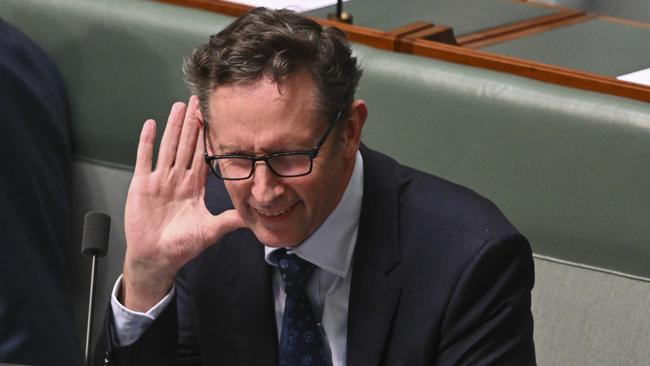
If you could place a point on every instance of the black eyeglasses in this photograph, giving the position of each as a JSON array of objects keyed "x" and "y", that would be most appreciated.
[{"x": 283, "y": 164}]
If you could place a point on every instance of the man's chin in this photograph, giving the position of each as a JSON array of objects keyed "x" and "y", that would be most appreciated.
[
  {"x": 275, "y": 241},
  {"x": 274, "y": 245}
]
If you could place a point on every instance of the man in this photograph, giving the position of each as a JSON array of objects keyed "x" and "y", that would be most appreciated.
[
  {"x": 36, "y": 323},
  {"x": 333, "y": 253}
]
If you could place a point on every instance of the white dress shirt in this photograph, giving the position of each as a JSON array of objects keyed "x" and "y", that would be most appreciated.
[{"x": 330, "y": 248}]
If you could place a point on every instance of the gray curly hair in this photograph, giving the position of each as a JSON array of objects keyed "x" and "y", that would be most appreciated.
[{"x": 276, "y": 44}]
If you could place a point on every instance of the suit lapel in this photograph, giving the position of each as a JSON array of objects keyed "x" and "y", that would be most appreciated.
[
  {"x": 253, "y": 305},
  {"x": 246, "y": 279},
  {"x": 374, "y": 293}
]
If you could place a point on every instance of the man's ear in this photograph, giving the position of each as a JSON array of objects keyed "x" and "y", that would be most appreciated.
[
  {"x": 353, "y": 127},
  {"x": 199, "y": 116}
]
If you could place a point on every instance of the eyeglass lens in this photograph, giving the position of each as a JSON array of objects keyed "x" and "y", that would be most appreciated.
[{"x": 283, "y": 165}]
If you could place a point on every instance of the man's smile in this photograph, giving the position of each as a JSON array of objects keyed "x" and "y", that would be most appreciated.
[{"x": 274, "y": 214}]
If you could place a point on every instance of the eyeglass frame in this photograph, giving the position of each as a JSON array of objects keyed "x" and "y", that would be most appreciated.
[{"x": 312, "y": 154}]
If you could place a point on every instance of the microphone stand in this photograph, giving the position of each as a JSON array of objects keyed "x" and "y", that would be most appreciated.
[
  {"x": 340, "y": 15},
  {"x": 91, "y": 306}
]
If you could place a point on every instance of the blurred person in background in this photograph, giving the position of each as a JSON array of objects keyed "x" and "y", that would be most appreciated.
[{"x": 36, "y": 321}]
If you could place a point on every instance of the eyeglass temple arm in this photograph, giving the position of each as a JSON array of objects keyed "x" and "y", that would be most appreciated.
[{"x": 329, "y": 129}]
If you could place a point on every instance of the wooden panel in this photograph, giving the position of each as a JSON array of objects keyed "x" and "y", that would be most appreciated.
[
  {"x": 533, "y": 70},
  {"x": 530, "y": 31},
  {"x": 368, "y": 36},
  {"x": 631, "y": 23},
  {"x": 438, "y": 33},
  {"x": 410, "y": 28},
  {"x": 223, "y": 7},
  {"x": 496, "y": 34}
]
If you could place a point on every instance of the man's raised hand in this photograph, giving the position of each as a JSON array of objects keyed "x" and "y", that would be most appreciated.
[{"x": 166, "y": 221}]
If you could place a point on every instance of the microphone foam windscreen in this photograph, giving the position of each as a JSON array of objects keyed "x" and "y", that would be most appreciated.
[{"x": 95, "y": 235}]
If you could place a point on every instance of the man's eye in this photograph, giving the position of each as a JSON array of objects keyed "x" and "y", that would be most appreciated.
[{"x": 240, "y": 153}]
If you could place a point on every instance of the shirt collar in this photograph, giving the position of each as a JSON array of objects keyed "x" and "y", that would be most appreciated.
[{"x": 331, "y": 246}]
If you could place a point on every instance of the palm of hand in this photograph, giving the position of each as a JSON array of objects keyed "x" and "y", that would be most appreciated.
[{"x": 166, "y": 221}]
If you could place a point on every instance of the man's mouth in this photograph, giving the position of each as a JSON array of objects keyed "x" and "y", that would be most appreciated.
[
  {"x": 272, "y": 213},
  {"x": 277, "y": 213}
]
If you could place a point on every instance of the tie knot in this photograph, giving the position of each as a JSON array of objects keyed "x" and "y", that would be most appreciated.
[{"x": 295, "y": 271}]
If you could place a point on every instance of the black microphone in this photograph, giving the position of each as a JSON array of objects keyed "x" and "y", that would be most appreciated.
[{"x": 94, "y": 244}]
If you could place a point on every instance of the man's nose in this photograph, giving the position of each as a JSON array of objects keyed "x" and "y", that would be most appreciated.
[{"x": 266, "y": 185}]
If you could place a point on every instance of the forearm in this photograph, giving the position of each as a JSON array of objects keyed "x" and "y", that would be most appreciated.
[
  {"x": 144, "y": 285},
  {"x": 129, "y": 325},
  {"x": 156, "y": 345}
]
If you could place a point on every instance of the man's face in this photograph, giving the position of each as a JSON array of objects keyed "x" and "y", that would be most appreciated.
[{"x": 263, "y": 118}]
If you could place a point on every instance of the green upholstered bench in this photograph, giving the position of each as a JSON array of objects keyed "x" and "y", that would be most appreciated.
[
  {"x": 570, "y": 168},
  {"x": 599, "y": 45},
  {"x": 638, "y": 10},
  {"x": 464, "y": 16}
]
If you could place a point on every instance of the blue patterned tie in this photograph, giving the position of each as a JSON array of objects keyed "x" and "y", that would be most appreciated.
[{"x": 301, "y": 342}]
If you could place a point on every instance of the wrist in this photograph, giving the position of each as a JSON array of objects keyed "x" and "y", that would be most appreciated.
[{"x": 143, "y": 286}]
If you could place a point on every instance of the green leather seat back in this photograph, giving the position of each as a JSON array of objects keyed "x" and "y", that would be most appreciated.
[
  {"x": 598, "y": 46},
  {"x": 464, "y": 16},
  {"x": 121, "y": 61},
  {"x": 638, "y": 10},
  {"x": 570, "y": 168}
]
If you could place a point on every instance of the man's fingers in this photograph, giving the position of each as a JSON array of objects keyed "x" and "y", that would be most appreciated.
[
  {"x": 144, "y": 155},
  {"x": 222, "y": 224},
  {"x": 169, "y": 143},
  {"x": 187, "y": 141}
]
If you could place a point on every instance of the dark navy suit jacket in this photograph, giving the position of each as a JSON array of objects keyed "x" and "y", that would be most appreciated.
[
  {"x": 36, "y": 325},
  {"x": 440, "y": 277}
]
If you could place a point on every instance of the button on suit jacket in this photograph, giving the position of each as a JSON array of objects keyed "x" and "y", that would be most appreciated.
[{"x": 440, "y": 277}]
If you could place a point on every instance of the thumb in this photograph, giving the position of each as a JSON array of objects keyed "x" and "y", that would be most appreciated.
[{"x": 222, "y": 224}]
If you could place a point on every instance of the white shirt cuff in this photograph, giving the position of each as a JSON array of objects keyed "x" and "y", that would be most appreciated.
[{"x": 129, "y": 324}]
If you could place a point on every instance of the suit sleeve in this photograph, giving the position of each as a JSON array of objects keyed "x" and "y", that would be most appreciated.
[
  {"x": 168, "y": 341},
  {"x": 489, "y": 319}
]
